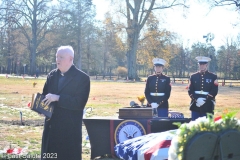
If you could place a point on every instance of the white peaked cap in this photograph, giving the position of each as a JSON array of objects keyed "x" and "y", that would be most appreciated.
[
  {"x": 203, "y": 59},
  {"x": 159, "y": 61}
]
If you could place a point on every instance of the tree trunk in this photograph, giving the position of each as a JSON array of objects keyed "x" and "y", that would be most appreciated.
[
  {"x": 110, "y": 72},
  {"x": 135, "y": 24},
  {"x": 88, "y": 56},
  {"x": 131, "y": 55},
  {"x": 33, "y": 43},
  {"x": 79, "y": 63},
  {"x": 33, "y": 57},
  {"x": 79, "y": 43},
  {"x": 8, "y": 65}
]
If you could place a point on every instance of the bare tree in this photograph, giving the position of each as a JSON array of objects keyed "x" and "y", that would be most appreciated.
[
  {"x": 77, "y": 13},
  {"x": 7, "y": 29},
  {"x": 37, "y": 15},
  {"x": 137, "y": 13}
]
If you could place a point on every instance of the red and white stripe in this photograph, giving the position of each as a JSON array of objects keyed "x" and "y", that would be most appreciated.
[{"x": 157, "y": 148}]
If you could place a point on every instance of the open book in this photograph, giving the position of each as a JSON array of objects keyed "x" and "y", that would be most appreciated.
[{"x": 38, "y": 106}]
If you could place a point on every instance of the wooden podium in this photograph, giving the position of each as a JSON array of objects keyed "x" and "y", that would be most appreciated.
[{"x": 130, "y": 112}]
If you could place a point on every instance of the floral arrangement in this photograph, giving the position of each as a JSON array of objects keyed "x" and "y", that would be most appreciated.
[
  {"x": 203, "y": 124},
  {"x": 10, "y": 152},
  {"x": 141, "y": 99}
]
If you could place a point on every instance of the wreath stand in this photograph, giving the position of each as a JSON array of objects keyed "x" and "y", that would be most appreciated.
[{"x": 212, "y": 146}]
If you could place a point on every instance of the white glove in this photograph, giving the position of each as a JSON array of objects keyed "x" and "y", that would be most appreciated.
[
  {"x": 154, "y": 105},
  {"x": 200, "y": 102},
  {"x": 198, "y": 105}
]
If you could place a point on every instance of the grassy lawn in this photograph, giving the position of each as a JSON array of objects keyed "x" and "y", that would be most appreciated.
[{"x": 106, "y": 97}]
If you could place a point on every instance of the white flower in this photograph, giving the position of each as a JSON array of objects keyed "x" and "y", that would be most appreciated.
[
  {"x": 2, "y": 152},
  {"x": 192, "y": 124},
  {"x": 187, "y": 131},
  {"x": 202, "y": 119},
  {"x": 178, "y": 132},
  {"x": 238, "y": 122},
  {"x": 172, "y": 152},
  {"x": 219, "y": 121}
]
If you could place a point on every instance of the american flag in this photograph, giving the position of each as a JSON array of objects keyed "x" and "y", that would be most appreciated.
[
  {"x": 175, "y": 115},
  {"x": 153, "y": 146}
]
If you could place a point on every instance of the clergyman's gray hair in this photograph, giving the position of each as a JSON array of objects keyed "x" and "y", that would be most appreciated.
[{"x": 67, "y": 49}]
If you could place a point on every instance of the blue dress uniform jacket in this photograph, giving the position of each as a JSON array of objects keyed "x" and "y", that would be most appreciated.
[
  {"x": 158, "y": 84},
  {"x": 62, "y": 134},
  {"x": 203, "y": 85}
]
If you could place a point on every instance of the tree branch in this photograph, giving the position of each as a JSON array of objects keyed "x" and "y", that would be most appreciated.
[
  {"x": 226, "y": 2},
  {"x": 130, "y": 6},
  {"x": 147, "y": 15},
  {"x": 142, "y": 10}
]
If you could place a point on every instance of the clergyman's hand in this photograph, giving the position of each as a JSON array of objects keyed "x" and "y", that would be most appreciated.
[{"x": 50, "y": 98}]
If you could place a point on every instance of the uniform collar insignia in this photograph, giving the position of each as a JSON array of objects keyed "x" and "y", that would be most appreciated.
[
  {"x": 158, "y": 74},
  {"x": 203, "y": 72}
]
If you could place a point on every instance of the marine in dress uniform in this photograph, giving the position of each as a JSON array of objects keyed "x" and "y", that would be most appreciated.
[
  {"x": 158, "y": 88},
  {"x": 203, "y": 88}
]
